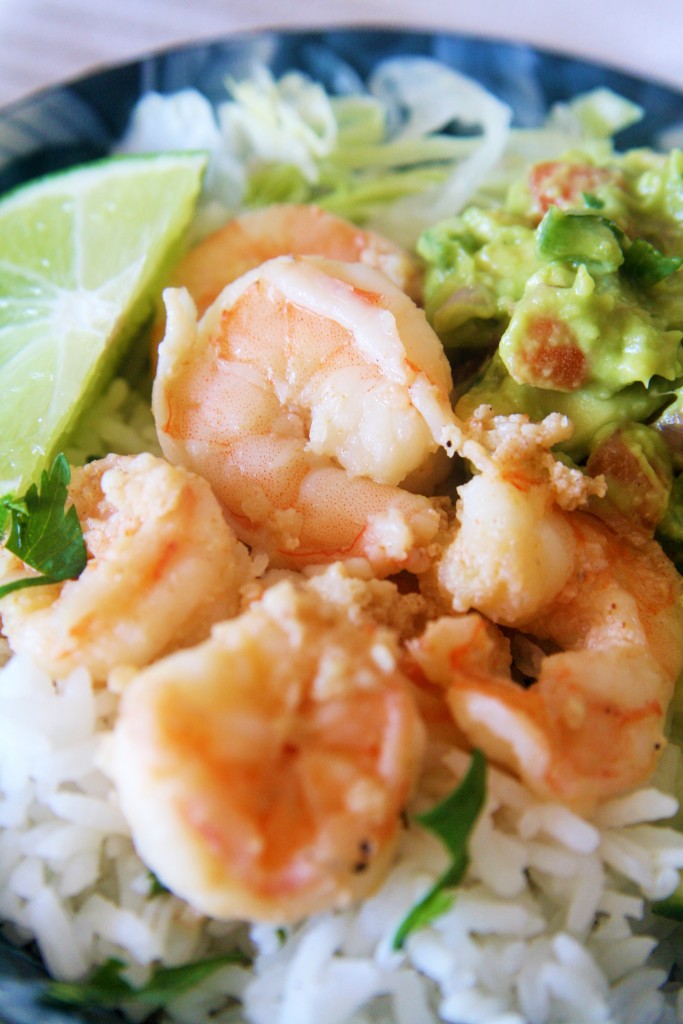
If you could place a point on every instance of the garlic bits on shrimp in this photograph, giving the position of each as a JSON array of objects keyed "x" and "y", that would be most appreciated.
[
  {"x": 564, "y": 639},
  {"x": 311, "y": 395},
  {"x": 264, "y": 772}
]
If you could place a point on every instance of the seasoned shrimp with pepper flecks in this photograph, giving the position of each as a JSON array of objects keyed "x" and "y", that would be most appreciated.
[
  {"x": 599, "y": 635},
  {"x": 314, "y": 397},
  {"x": 264, "y": 772}
]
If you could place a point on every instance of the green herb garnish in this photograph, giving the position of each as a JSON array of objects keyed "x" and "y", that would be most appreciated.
[
  {"x": 40, "y": 531},
  {"x": 601, "y": 245},
  {"x": 452, "y": 821},
  {"x": 646, "y": 265},
  {"x": 106, "y": 986},
  {"x": 156, "y": 886}
]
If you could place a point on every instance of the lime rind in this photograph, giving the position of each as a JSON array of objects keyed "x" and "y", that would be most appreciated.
[{"x": 82, "y": 254}]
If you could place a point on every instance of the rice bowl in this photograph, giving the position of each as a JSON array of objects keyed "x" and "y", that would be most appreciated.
[
  {"x": 545, "y": 868},
  {"x": 553, "y": 922}
]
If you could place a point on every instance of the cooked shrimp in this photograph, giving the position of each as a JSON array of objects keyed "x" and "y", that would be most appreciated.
[
  {"x": 397, "y": 604},
  {"x": 286, "y": 229},
  {"x": 308, "y": 393},
  {"x": 591, "y": 724},
  {"x": 512, "y": 553},
  {"x": 514, "y": 547},
  {"x": 163, "y": 566},
  {"x": 264, "y": 772},
  {"x": 589, "y": 727}
]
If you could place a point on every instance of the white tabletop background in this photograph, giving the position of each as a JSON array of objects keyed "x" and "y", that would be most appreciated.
[{"x": 45, "y": 41}]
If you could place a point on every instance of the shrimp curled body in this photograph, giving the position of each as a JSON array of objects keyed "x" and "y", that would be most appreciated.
[
  {"x": 264, "y": 772},
  {"x": 601, "y": 639},
  {"x": 286, "y": 229},
  {"x": 311, "y": 395},
  {"x": 162, "y": 567}
]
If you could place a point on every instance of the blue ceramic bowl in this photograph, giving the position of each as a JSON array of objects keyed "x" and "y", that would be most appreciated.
[{"x": 80, "y": 121}]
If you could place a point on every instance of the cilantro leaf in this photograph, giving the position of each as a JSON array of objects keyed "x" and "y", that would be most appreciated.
[
  {"x": 452, "y": 821},
  {"x": 671, "y": 906},
  {"x": 156, "y": 886},
  {"x": 40, "y": 531},
  {"x": 167, "y": 983},
  {"x": 646, "y": 265},
  {"x": 106, "y": 986}
]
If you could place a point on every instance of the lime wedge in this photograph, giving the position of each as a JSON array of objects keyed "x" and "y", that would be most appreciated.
[{"x": 81, "y": 253}]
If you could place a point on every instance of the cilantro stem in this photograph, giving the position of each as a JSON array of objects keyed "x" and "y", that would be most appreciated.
[{"x": 23, "y": 584}]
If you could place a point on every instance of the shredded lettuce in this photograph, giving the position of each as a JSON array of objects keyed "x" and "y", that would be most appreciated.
[
  {"x": 287, "y": 121},
  {"x": 266, "y": 123},
  {"x": 433, "y": 97},
  {"x": 600, "y": 113},
  {"x": 419, "y": 144}
]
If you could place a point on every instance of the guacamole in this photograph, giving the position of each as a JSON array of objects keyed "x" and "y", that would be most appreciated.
[{"x": 570, "y": 296}]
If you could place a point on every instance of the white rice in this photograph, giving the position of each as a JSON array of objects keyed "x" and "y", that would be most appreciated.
[
  {"x": 121, "y": 421},
  {"x": 550, "y": 925}
]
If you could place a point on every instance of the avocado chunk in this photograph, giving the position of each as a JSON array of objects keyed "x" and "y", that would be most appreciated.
[
  {"x": 569, "y": 295},
  {"x": 637, "y": 467}
]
